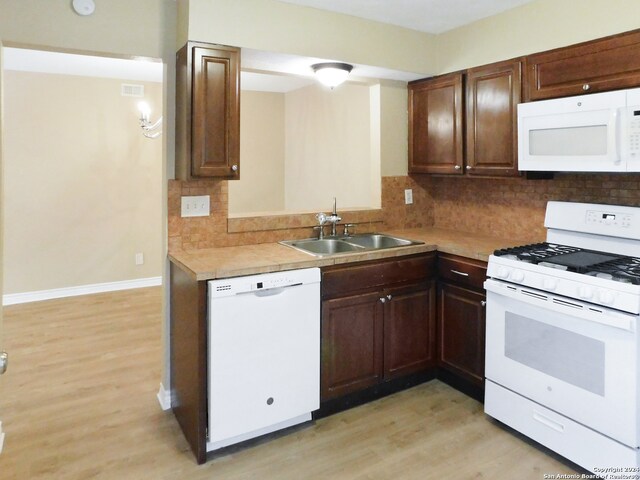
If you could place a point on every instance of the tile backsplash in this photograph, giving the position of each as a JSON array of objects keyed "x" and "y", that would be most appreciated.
[
  {"x": 515, "y": 207},
  {"x": 506, "y": 208}
]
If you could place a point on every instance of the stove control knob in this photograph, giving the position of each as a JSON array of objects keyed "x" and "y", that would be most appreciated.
[
  {"x": 606, "y": 297},
  {"x": 550, "y": 284},
  {"x": 585, "y": 292},
  {"x": 502, "y": 272},
  {"x": 517, "y": 276}
]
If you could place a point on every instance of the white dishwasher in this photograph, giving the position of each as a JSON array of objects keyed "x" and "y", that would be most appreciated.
[{"x": 264, "y": 354}]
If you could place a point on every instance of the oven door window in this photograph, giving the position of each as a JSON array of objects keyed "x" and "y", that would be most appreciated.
[{"x": 559, "y": 353}]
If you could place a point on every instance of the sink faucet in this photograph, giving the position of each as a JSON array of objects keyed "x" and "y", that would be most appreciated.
[
  {"x": 334, "y": 218},
  {"x": 322, "y": 219}
]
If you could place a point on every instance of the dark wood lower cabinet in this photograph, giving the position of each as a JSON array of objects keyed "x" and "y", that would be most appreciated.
[
  {"x": 378, "y": 324},
  {"x": 409, "y": 330},
  {"x": 461, "y": 323},
  {"x": 352, "y": 344},
  {"x": 461, "y": 332}
]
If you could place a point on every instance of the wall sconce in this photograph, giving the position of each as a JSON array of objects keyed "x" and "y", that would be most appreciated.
[
  {"x": 332, "y": 74},
  {"x": 149, "y": 130}
]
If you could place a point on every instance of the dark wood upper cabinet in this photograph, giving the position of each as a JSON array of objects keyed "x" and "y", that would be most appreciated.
[
  {"x": 608, "y": 63},
  {"x": 207, "y": 112},
  {"x": 493, "y": 93},
  {"x": 435, "y": 125}
]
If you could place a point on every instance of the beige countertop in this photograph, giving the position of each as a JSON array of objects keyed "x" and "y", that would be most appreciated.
[{"x": 211, "y": 263}]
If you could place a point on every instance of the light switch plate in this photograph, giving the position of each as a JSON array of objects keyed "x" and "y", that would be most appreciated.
[
  {"x": 139, "y": 258},
  {"x": 195, "y": 206},
  {"x": 408, "y": 196}
]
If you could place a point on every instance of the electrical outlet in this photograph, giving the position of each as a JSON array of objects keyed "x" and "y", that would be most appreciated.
[
  {"x": 195, "y": 206},
  {"x": 139, "y": 258},
  {"x": 408, "y": 196}
]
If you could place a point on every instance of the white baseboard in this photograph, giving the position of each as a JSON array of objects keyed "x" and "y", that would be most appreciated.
[
  {"x": 164, "y": 397},
  {"x": 15, "y": 298},
  {"x": 1, "y": 437}
]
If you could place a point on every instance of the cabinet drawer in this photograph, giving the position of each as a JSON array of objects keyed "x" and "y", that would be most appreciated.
[
  {"x": 462, "y": 270},
  {"x": 342, "y": 280}
]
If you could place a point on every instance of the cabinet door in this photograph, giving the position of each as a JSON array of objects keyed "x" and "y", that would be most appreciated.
[
  {"x": 461, "y": 329},
  {"x": 435, "y": 125},
  {"x": 409, "y": 330},
  {"x": 493, "y": 93},
  {"x": 351, "y": 344},
  {"x": 216, "y": 112},
  {"x": 599, "y": 65}
]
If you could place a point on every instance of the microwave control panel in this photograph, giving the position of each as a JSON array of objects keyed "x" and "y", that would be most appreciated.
[{"x": 634, "y": 131}]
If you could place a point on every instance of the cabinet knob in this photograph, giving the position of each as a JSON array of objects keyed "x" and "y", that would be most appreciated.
[
  {"x": 586, "y": 87},
  {"x": 389, "y": 297},
  {"x": 483, "y": 303},
  {"x": 234, "y": 168},
  {"x": 468, "y": 167},
  {"x": 383, "y": 300},
  {"x": 457, "y": 167}
]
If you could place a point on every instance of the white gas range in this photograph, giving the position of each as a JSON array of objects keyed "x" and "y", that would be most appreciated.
[{"x": 562, "y": 348}]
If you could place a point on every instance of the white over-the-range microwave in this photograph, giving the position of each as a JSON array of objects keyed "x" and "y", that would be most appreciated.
[{"x": 588, "y": 133}]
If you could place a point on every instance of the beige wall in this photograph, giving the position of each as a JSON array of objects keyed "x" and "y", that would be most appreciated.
[
  {"x": 261, "y": 184},
  {"x": 393, "y": 129},
  {"x": 118, "y": 27},
  {"x": 328, "y": 152},
  {"x": 285, "y": 28},
  {"x": 83, "y": 185},
  {"x": 534, "y": 27}
]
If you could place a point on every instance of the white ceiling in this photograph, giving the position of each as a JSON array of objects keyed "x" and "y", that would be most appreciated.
[
  {"x": 431, "y": 16},
  {"x": 262, "y": 61},
  {"x": 260, "y": 82},
  {"x": 83, "y": 65}
]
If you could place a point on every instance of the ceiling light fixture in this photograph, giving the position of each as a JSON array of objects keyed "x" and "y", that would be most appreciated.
[{"x": 332, "y": 74}]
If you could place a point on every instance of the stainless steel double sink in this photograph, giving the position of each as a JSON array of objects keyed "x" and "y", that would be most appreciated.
[{"x": 348, "y": 244}]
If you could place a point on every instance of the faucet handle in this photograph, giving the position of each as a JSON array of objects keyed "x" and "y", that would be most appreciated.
[
  {"x": 347, "y": 226},
  {"x": 321, "y": 218}
]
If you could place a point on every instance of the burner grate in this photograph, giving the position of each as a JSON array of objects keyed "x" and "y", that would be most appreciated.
[
  {"x": 536, "y": 252},
  {"x": 575, "y": 259},
  {"x": 623, "y": 269}
]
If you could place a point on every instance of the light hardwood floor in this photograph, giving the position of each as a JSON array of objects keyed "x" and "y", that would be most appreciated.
[{"x": 79, "y": 402}]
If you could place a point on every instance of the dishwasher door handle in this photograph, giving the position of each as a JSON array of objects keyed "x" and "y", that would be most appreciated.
[{"x": 268, "y": 292}]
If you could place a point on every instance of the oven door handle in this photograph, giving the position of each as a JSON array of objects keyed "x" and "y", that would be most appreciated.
[{"x": 566, "y": 306}]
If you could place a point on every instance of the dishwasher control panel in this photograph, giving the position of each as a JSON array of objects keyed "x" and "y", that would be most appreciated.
[{"x": 255, "y": 283}]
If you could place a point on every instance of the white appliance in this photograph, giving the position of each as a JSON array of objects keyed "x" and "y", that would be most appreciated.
[
  {"x": 588, "y": 133},
  {"x": 562, "y": 340},
  {"x": 264, "y": 354}
]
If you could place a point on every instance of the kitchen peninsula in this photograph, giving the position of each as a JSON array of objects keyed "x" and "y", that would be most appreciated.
[{"x": 192, "y": 269}]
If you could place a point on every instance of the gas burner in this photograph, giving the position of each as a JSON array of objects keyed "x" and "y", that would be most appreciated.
[
  {"x": 536, "y": 252},
  {"x": 623, "y": 269},
  {"x": 574, "y": 259}
]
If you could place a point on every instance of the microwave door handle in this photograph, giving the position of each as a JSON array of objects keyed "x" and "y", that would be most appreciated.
[{"x": 620, "y": 126}]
